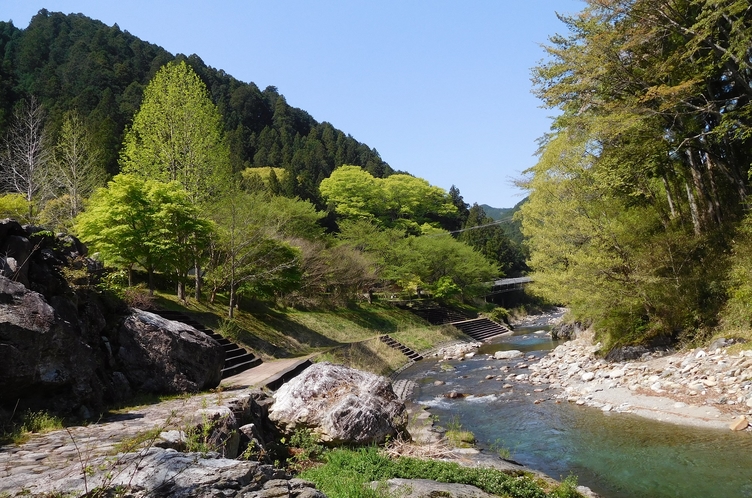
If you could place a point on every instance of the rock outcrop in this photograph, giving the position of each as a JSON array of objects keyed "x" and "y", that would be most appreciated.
[
  {"x": 62, "y": 345},
  {"x": 567, "y": 331},
  {"x": 341, "y": 405},
  {"x": 162, "y": 356},
  {"x": 47, "y": 361}
]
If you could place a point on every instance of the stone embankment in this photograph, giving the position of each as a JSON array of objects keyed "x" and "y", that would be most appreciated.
[{"x": 711, "y": 388}]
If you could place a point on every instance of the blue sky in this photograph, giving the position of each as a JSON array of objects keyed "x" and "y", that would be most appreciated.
[{"x": 440, "y": 88}]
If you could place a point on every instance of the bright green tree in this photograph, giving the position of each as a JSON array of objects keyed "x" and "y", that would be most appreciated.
[
  {"x": 144, "y": 222},
  {"x": 398, "y": 200},
  {"x": 177, "y": 135},
  {"x": 436, "y": 262},
  {"x": 250, "y": 253}
]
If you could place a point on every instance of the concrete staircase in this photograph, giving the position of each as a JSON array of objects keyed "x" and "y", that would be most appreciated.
[
  {"x": 414, "y": 356},
  {"x": 481, "y": 329},
  {"x": 439, "y": 316},
  {"x": 237, "y": 358}
]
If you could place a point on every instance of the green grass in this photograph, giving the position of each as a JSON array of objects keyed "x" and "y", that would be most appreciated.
[
  {"x": 347, "y": 335},
  {"x": 457, "y": 436},
  {"x": 30, "y": 422},
  {"x": 346, "y": 473},
  {"x": 425, "y": 337},
  {"x": 371, "y": 355}
]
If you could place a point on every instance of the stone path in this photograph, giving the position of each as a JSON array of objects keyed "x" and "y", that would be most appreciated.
[
  {"x": 63, "y": 454},
  {"x": 403, "y": 388}
]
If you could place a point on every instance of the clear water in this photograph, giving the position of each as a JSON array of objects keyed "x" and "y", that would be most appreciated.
[{"x": 616, "y": 455}]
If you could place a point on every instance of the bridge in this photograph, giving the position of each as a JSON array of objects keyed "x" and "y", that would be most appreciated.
[{"x": 503, "y": 285}]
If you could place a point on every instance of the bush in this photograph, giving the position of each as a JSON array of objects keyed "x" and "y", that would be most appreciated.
[
  {"x": 499, "y": 315},
  {"x": 14, "y": 206}
]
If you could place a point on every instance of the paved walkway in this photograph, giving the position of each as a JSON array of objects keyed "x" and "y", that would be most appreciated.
[
  {"x": 259, "y": 376},
  {"x": 66, "y": 454}
]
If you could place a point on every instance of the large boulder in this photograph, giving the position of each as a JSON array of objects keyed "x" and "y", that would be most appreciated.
[
  {"x": 46, "y": 362},
  {"x": 162, "y": 356},
  {"x": 339, "y": 404}
]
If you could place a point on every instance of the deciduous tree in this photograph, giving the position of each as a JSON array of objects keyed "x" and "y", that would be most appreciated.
[
  {"x": 26, "y": 154},
  {"x": 177, "y": 135}
]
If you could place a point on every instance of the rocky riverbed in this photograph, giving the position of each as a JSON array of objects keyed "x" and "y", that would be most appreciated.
[{"x": 708, "y": 388}]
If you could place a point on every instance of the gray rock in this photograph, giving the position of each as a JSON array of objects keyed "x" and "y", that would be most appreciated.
[
  {"x": 45, "y": 360},
  {"x": 163, "y": 356},
  {"x": 341, "y": 405},
  {"x": 507, "y": 355},
  {"x": 424, "y": 488},
  {"x": 567, "y": 331}
]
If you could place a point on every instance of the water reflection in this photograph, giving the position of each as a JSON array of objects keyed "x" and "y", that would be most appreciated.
[{"x": 617, "y": 455}]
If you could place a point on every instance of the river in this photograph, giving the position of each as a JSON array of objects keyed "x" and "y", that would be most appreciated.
[{"x": 617, "y": 455}]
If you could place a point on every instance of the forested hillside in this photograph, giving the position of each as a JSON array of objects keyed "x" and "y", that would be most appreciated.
[
  {"x": 638, "y": 215},
  {"x": 71, "y": 62}
]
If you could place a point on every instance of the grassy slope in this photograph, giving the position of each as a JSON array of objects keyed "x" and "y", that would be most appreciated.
[{"x": 343, "y": 335}]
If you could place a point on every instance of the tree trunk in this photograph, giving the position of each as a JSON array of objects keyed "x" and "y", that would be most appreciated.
[
  {"x": 231, "y": 310},
  {"x": 693, "y": 209},
  {"x": 713, "y": 188},
  {"x": 197, "y": 293},
  {"x": 151, "y": 281},
  {"x": 181, "y": 289},
  {"x": 130, "y": 275}
]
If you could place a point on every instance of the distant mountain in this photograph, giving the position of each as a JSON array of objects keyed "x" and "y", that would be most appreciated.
[
  {"x": 498, "y": 213},
  {"x": 512, "y": 227},
  {"x": 74, "y": 62}
]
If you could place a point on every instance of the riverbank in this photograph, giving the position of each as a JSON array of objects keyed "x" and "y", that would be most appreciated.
[{"x": 710, "y": 389}]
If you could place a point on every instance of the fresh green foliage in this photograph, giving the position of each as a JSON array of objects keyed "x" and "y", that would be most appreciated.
[
  {"x": 644, "y": 175},
  {"x": 249, "y": 253},
  {"x": 14, "y": 206},
  {"x": 177, "y": 135},
  {"x": 145, "y": 222},
  {"x": 435, "y": 262},
  {"x": 397, "y": 201},
  {"x": 348, "y": 473}
]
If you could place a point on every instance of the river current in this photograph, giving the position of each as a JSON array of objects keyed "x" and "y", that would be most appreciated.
[{"x": 617, "y": 455}]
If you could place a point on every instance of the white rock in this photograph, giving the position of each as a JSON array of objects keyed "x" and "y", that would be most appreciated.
[
  {"x": 588, "y": 376},
  {"x": 507, "y": 355}
]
